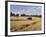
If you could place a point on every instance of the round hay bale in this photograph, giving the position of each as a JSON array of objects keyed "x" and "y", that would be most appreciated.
[{"x": 30, "y": 18}]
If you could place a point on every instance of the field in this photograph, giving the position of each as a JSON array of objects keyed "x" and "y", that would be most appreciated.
[{"x": 19, "y": 24}]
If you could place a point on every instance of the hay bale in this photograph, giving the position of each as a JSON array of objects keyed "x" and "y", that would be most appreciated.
[{"x": 30, "y": 18}]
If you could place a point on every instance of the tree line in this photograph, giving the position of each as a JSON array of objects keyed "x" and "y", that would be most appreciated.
[{"x": 12, "y": 14}]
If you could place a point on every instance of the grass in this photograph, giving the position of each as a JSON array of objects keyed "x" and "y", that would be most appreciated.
[{"x": 23, "y": 24}]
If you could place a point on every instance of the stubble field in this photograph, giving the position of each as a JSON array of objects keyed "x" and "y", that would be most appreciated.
[{"x": 20, "y": 24}]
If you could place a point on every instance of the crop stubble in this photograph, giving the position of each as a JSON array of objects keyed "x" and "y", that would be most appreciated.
[{"x": 18, "y": 24}]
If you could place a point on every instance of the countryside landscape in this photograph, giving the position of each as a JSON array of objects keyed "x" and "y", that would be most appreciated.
[{"x": 25, "y": 18}]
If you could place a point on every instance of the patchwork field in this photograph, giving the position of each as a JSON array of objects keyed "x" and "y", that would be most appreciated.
[{"x": 18, "y": 24}]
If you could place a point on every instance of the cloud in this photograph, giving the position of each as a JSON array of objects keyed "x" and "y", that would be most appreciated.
[{"x": 29, "y": 10}]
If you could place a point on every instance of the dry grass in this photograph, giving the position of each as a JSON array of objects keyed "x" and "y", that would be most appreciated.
[{"x": 23, "y": 24}]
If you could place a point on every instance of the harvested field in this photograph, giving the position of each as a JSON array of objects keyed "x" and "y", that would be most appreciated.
[{"x": 18, "y": 24}]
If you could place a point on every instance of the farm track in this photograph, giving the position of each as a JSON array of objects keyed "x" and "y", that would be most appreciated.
[{"x": 29, "y": 27}]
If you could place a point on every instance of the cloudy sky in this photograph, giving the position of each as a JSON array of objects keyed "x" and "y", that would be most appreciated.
[{"x": 26, "y": 9}]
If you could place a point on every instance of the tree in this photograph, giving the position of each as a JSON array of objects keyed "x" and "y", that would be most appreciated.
[
  {"x": 12, "y": 14},
  {"x": 23, "y": 15},
  {"x": 17, "y": 15}
]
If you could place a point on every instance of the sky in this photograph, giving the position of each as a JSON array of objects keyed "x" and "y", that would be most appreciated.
[{"x": 26, "y": 9}]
